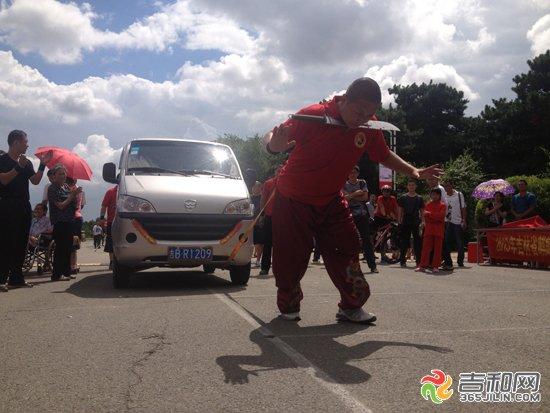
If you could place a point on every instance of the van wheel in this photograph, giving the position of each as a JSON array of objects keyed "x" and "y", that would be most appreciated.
[
  {"x": 209, "y": 269},
  {"x": 240, "y": 274},
  {"x": 121, "y": 275}
]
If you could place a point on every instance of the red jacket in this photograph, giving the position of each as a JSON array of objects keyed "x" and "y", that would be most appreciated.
[
  {"x": 319, "y": 165},
  {"x": 434, "y": 216}
]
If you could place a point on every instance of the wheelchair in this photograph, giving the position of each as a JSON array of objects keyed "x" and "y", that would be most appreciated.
[{"x": 40, "y": 255}]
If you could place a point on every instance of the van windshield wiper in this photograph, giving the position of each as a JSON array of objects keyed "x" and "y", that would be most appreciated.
[
  {"x": 158, "y": 169},
  {"x": 205, "y": 172}
]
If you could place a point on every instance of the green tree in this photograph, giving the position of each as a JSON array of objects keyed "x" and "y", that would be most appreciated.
[
  {"x": 431, "y": 119},
  {"x": 250, "y": 154},
  {"x": 465, "y": 172},
  {"x": 512, "y": 136}
]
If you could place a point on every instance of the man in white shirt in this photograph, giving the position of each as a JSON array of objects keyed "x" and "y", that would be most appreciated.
[
  {"x": 97, "y": 232},
  {"x": 433, "y": 183},
  {"x": 455, "y": 224}
]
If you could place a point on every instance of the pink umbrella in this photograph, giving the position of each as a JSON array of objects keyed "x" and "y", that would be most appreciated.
[
  {"x": 487, "y": 190},
  {"x": 77, "y": 167}
]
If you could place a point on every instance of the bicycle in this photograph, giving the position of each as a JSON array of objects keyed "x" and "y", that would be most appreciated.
[{"x": 386, "y": 242}]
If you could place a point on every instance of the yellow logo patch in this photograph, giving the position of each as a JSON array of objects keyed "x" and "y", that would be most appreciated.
[{"x": 360, "y": 140}]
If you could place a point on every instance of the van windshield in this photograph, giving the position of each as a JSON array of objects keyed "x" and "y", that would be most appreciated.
[{"x": 179, "y": 157}]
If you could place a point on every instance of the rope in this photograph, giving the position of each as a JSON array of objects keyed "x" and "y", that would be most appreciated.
[{"x": 244, "y": 237}]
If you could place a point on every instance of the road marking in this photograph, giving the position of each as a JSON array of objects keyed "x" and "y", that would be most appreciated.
[
  {"x": 480, "y": 330},
  {"x": 302, "y": 362}
]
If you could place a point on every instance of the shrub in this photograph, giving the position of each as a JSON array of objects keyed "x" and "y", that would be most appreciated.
[{"x": 466, "y": 173}]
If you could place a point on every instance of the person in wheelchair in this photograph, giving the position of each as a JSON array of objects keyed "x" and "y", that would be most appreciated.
[
  {"x": 385, "y": 213},
  {"x": 40, "y": 238},
  {"x": 40, "y": 225}
]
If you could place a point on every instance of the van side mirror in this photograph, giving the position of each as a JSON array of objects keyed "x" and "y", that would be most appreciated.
[{"x": 109, "y": 173}]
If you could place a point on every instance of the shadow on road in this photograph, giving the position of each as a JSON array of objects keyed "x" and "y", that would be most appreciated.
[
  {"x": 152, "y": 284},
  {"x": 316, "y": 343}
]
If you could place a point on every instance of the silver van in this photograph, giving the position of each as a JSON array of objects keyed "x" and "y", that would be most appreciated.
[{"x": 180, "y": 203}]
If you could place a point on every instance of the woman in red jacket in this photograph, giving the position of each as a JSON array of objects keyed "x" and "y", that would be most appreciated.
[{"x": 434, "y": 231}]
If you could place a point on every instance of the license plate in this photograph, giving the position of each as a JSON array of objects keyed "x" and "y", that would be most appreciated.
[{"x": 189, "y": 254}]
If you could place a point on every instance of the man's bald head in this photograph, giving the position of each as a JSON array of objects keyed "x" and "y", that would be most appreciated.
[
  {"x": 361, "y": 101},
  {"x": 366, "y": 89}
]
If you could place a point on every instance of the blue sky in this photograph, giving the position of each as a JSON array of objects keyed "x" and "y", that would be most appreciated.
[{"x": 116, "y": 16}]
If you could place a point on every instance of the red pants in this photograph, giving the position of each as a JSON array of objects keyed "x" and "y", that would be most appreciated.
[
  {"x": 294, "y": 226},
  {"x": 431, "y": 242}
]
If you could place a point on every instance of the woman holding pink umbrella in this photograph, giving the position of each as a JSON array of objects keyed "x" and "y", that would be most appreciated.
[
  {"x": 76, "y": 167},
  {"x": 63, "y": 204},
  {"x": 496, "y": 212}
]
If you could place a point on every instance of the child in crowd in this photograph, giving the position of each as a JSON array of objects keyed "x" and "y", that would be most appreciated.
[{"x": 434, "y": 231}]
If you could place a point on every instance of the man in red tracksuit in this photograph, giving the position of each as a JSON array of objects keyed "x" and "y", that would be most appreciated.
[{"x": 309, "y": 202}]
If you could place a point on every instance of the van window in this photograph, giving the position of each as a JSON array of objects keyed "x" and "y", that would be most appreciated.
[{"x": 181, "y": 156}]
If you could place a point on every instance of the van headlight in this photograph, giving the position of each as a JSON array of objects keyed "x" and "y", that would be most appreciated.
[
  {"x": 240, "y": 207},
  {"x": 127, "y": 203}
]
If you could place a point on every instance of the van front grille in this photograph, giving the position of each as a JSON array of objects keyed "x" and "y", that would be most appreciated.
[{"x": 189, "y": 227}]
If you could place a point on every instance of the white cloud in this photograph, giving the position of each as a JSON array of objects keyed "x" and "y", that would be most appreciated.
[
  {"x": 483, "y": 40},
  {"x": 178, "y": 21},
  {"x": 25, "y": 89},
  {"x": 202, "y": 104},
  {"x": 260, "y": 118},
  {"x": 438, "y": 29},
  {"x": 541, "y": 4},
  {"x": 404, "y": 71},
  {"x": 209, "y": 32},
  {"x": 250, "y": 77},
  {"x": 539, "y": 35},
  {"x": 97, "y": 151},
  {"x": 60, "y": 32}
]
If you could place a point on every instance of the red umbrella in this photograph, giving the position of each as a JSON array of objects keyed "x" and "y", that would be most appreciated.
[{"x": 77, "y": 167}]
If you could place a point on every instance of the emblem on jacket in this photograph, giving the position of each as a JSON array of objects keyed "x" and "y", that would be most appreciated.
[{"x": 360, "y": 140}]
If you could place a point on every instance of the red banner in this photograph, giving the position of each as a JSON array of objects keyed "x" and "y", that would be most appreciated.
[{"x": 527, "y": 244}]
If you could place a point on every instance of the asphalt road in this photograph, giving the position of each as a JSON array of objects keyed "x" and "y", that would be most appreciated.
[{"x": 186, "y": 341}]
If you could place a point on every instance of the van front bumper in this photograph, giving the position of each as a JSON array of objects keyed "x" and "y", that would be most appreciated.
[{"x": 143, "y": 240}]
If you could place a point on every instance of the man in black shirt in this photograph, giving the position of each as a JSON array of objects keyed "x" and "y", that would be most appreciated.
[
  {"x": 410, "y": 212},
  {"x": 15, "y": 210}
]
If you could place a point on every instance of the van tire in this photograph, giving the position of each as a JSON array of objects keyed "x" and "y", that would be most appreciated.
[
  {"x": 121, "y": 275},
  {"x": 239, "y": 274},
  {"x": 209, "y": 269}
]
